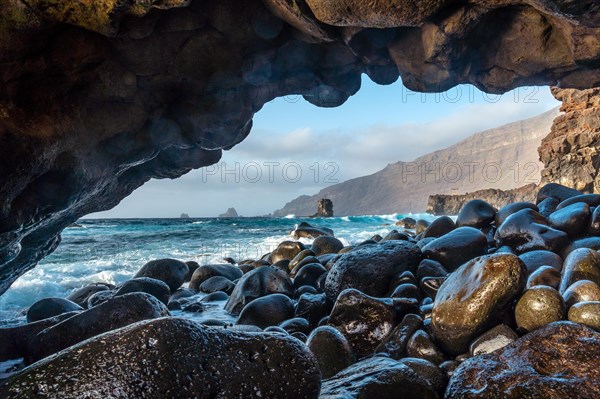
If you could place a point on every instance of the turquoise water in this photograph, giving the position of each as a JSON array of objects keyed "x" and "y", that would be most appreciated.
[{"x": 113, "y": 250}]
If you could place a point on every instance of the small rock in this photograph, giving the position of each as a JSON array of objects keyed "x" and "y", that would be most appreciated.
[
  {"x": 492, "y": 340},
  {"x": 439, "y": 227},
  {"x": 547, "y": 206},
  {"x": 296, "y": 324},
  {"x": 395, "y": 343},
  {"x": 545, "y": 275},
  {"x": 305, "y": 230},
  {"x": 509, "y": 209},
  {"x": 300, "y": 257},
  {"x": 82, "y": 295},
  {"x": 581, "y": 264},
  {"x": 308, "y": 275},
  {"x": 217, "y": 283},
  {"x": 312, "y": 307},
  {"x": 205, "y": 272},
  {"x": 591, "y": 200},
  {"x": 421, "y": 346},
  {"x": 581, "y": 291},
  {"x": 587, "y": 313},
  {"x": 539, "y": 306},
  {"x": 556, "y": 191},
  {"x": 535, "y": 259},
  {"x": 286, "y": 250}
]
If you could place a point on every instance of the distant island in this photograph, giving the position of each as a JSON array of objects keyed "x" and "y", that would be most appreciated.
[
  {"x": 231, "y": 213},
  {"x": 184, "y": 216}
]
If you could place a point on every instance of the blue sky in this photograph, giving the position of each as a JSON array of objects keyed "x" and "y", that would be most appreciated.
[{"x": 296, "y": 148}]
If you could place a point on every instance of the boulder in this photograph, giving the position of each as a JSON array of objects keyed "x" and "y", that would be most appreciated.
[
  {"x": 117, "y": 312},
  {"x": 50, "y": 307},
  {"x": 331, "y": 349},
  {"x": 527, "y": 230},
  {"x": 82, "y": 295},
  {"x": 326, "y": 245},
  {"x": 258, "y": 283},
  {"x": 456, "y": 247},
  {"x": 557, "y": 361},
  {"x": 371, "y": 268},
  {"x": 287, "y": 250},
  {"x": 205, "y": 272},
  {"x": 472, "y": 297},
  {"x": 157, "y": 288},
  {"x": 173, "y": 358},
  {"x": 266, "y": 311},
  {"x": 365, "y": 321},
  {"x": 171, "y": 271},
  {"x": 378, "y": 378},
  {"x": 476, "y": 213}
]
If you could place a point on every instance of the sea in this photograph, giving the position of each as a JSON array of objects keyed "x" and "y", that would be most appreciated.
[{"x": 113, "y": 250}]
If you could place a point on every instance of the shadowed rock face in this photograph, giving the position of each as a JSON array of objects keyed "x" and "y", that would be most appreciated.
[{"x": 98, "y": 97}]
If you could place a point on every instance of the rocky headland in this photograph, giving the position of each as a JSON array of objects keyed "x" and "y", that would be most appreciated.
[{"x": 499, "y": 303}]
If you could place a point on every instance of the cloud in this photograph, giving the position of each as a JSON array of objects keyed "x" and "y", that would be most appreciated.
[{"x": 261, "y": 174}]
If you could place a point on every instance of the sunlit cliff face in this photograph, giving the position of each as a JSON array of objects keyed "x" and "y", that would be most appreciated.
[{"x": 98, "y": 97}]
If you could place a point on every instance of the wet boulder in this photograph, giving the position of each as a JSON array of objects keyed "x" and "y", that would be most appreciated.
[
  {"x": 266, "y": 311},
  {"x": 573, "y": 219},
  {"x": 536, "y": 259},
  {"x": 371, "y": 268},
  {"x": 581, "y": 291},
  {"x": 556, "y": 191},
  {"x": 157, "y": 288},
  {"x": 171, "y": 271},
  {"x": 258, "y": 283},
  {"x": 308, "y": 275},
  {"x": 527, "y": 230},
  {"x": 457, "y": 247},
  {"x": 326, "y": 245},
  {"x": 439, "y": 227},
  {"x": 476, "y": 213},
  {"x": 305, "y": 230},
  {"x": 472, "y": 297},
  {"x": 173, "y": 358},
  {"x": 586, "y": 313},
  {"x": 82, "y": 295},
  {"x": 539, "y": 306},
  {"x": 557, "y": 361},
  {"x": 395, "y": 343},
  {"x": 331, "y": 349},
  {"x": 115, "y": 313},
  {"x": 50, "y": 307},
  {"x": 511, "y": 208},
  {"x": 581, "y": 264},
  {"x": 380, "y": 378},
  {"x": 286, "y": 250},
  {"x": 492, "y": 340},
  {"x": 217, "y": 283},
  {"x": 205, "y": 272},
  {"x": 365, "y": 321}
]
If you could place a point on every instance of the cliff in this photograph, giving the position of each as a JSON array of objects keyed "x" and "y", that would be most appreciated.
[
  {"x": 503, "y": 158},
  {"x": 571, "y": 152}
]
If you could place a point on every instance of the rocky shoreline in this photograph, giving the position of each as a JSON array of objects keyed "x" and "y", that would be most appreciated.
[{"x": 499, "y": 303}]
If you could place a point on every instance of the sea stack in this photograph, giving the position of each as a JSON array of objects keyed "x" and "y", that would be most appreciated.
[{"x": 324, "y": 208}]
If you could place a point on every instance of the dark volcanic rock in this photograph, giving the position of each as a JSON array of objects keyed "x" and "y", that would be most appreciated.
[
  {"x": 371, "y": 268},
  {"x": 331, "y": 349},
  {"x": 476, "y": 213},
  {"x": 536, "y": 259},
  {"x": 50, "y": 307},
  {"x": 587, "y": 313},
  {"x": 395, "y": 343},
  {"x": 472, "y": 297},
  {"x": 514, "y": 207},
  {"x": 157, "y": 288},
  {"x": 269, "y": 310},
  {"x": 365, "y": 321},
  {"x": 192, "y": 361},
  {"x": 205, "y": 272},
  {"x": 312, "y": 307},
  {"x": 527, "y": 230},
  {"x": 171, "y": 271},
  {"x": 128, "y": 98},
  {"x": 115, "y": 313},
  {"x": 82, "y": 295},
  {"x": 217, "y": 283},
  {"x": 581, "y": 291},
  {"x": 17, "y": 340},
  {"x": 492, "y": 340},
  {"x": 421, "y": 346},
  {"x": 286, "y": 250},
  {"x": 326, "y": 245},
  {"x": 593, "y": 200},
  {"x": 554, "y": 362},
  {"x": 258, "y": 283},
  {"x": 308, "y": 275},
  {"x": 378, "y": 377},
  {"x": 556, "y": 191},
  {"x": 457, "y": 247},
  {"x": 573, "y": 219},
  {"x": 305, "y": 230},
  {"x": 439, "y": 227},
  {"x": 544, "y": 275}
]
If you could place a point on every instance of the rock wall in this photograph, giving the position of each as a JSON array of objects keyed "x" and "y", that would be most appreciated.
[
  {"x": 571, "y": 152},
  {"x": 451, "y": 204},
  {"x": 99, "y": 96}
]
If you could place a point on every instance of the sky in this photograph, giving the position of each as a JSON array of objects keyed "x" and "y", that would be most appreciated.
[{"x": 296, "y": 148}]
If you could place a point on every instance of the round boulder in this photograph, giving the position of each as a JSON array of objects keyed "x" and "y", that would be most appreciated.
[
  {"x": 170, "y": 271},
  {"x": 50, "y": 307}
]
